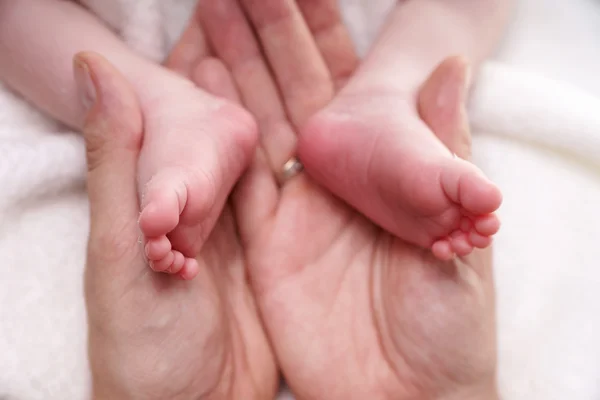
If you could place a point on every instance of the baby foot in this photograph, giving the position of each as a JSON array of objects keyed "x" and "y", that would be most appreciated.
[
  {"x": 373, "y": 150},
  {"x": 448, "y": 120},
  {"x": 195, "y": 148}
]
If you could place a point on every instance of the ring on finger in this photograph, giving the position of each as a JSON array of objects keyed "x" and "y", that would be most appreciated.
[{"x": 290, "y": 169}]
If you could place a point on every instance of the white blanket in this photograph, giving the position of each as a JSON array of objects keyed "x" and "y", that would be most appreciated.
[{"x": 536, "y": 119}]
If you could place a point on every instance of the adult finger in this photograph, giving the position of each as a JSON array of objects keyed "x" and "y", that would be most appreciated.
[
  {"x": 214, "y": 77},
  {"x": 324, "y": 20},
  {"x": 233, "y": 41},
  {"x": 442, "y": 105},
  {"x": 113, "y": 133},
  {"x": 255, "y": 195},
  {"x": 190, "y": 49},
  {"x": 303, "y": 78}
]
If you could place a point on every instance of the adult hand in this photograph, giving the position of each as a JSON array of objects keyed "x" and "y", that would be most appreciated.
[
  {"x": 151, "y": 335},
  {"x": 352, "y": 312}
]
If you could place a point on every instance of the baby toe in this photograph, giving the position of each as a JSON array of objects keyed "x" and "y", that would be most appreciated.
[
  {"x": 459, "y": 242},
  {"x": 177, "y": 264},
  {"x": 442, "y": 250},
  {"x": 190, "y": 269},
  {"x": 163, "y": 264},
  {"x": 479, "y": 241},
  {"x": 157, "y": 248},
  {"x": 487, "y": 225}
]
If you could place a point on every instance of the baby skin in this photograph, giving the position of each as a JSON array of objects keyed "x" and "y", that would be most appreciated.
[
  {"x": 195, "y": 145},
  {"x": 375, "y": 151},
  {"x": 195, "y": 148},
  {"x": 372, "y": 148}
]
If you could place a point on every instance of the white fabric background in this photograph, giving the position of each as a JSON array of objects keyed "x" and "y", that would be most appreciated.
[{"x": 536, "y": 118}]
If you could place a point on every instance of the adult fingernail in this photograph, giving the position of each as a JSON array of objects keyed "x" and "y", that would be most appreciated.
[{"x": 85, "y": 84}]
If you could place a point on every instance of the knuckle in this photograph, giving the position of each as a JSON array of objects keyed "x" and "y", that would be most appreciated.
[{"x": 94, "y": 147}]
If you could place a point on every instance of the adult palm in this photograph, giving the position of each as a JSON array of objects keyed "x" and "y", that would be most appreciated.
[
  {"x": 153, "y": 336},
  {"x": 352, "y": 312}
]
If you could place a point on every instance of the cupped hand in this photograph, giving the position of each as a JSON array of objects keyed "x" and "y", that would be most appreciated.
[
  {"x": 151, "y": 335},
  {"x": 351, "y": 311}
]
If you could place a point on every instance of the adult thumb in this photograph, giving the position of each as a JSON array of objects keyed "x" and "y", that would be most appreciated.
[
  {"x": 442, "y": 104},
  {"x": 113, "y": 135}
]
